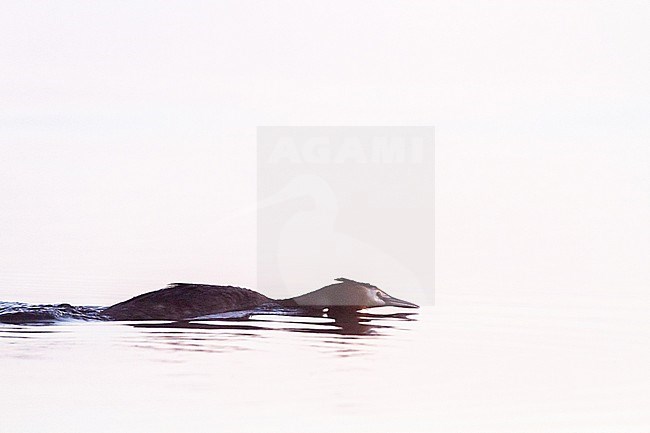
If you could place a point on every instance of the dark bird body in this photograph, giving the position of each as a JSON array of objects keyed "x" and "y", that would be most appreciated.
[{"x": 182, "y": 301}]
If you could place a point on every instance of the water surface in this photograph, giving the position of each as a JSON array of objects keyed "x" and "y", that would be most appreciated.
[{"x": 471, "y": 363}]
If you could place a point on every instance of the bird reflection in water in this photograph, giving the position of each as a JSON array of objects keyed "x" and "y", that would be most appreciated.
[
  {"x": 345, "y": 332},
  {"x": 311, "y": 321}
]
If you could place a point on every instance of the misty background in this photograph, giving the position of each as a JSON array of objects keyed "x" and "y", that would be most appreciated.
[{"x": 128, "y": 130}]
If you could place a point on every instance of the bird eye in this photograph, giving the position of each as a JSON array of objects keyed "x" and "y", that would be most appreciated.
[{"x": 379, "y": 294}]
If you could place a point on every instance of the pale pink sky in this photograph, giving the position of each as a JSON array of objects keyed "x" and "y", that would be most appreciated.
[{"x": 127, "y": 130}]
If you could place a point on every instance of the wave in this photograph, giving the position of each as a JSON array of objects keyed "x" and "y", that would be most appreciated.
[{"x": 20, "y": 313}]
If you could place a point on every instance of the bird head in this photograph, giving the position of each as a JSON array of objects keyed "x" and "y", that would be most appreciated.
[{"x": 350, "y": 294}]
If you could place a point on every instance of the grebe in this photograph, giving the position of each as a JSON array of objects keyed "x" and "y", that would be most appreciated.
[{"x": 183, "y": 301}]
